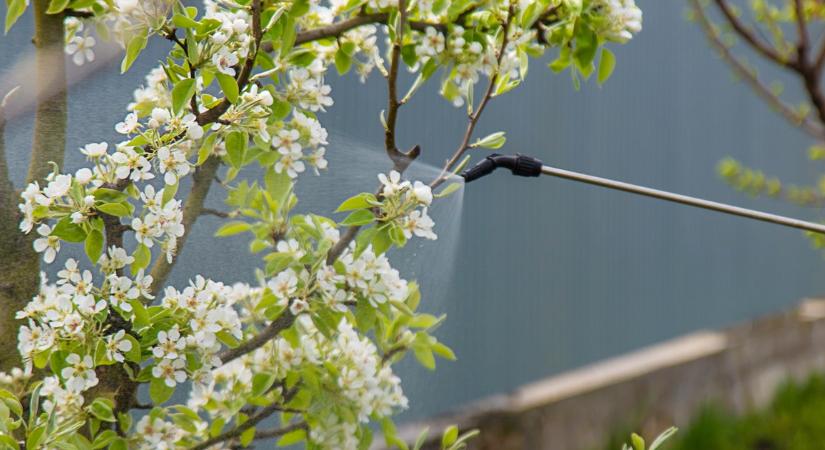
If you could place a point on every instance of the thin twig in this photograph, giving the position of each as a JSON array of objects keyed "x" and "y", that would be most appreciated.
[
  {"x": 239, "y": 430},
  {"x": 277, "y": 432},
  {"x": 214, "y": 212},
  {"x": 750, "y": 37},
  {"x": 786, "y": 111},
  {"x": 284, "y": 321},
  {"x": 475, "y": 115}
]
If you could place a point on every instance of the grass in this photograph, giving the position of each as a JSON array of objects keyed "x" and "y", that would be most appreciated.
[{"x": 795, "y": 420}]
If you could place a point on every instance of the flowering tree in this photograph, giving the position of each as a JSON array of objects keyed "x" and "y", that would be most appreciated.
[
  {"x": 781, "y": 34},
  {"x": 313, "y": 342}
]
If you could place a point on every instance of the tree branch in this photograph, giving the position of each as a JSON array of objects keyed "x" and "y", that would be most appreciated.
[
  {"x": 239, "y": 430},
  {"x": 751, "y": 38},
  {"x": 339, "y": 28},
  {"x": 284, "y": 321},
  {"x": 213, "y": 114},
  {"x": 475, "y": 115},
  {"x": 277, "y": 432},
  {"x": 201, "y": 182},
  {"x": 751, "y": 79},
  {"x": 49, "y": 137}
]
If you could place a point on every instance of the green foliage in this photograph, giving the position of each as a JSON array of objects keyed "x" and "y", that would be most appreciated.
[{"x": 795, "y": 420}]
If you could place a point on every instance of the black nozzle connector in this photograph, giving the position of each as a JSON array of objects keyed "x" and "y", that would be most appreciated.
[{"x": 520, "y": 165}]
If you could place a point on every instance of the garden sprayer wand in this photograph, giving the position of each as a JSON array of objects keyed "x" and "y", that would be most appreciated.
[{"x": 526, "y": 166}]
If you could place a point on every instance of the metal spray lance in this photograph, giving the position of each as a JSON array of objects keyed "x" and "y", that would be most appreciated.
[{"x": 526, "y": 166}]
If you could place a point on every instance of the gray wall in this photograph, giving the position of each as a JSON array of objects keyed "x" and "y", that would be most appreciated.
[{"x": 547, "y": 275}]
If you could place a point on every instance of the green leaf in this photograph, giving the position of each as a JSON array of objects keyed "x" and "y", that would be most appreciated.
[
  {"x": 102, "y": 408},
  {"x": 381, "y": 242},
  {"x": 360, "y": 201},
  {"x": 261, "y": 382},
  {"x": 133, "y": 49},
  {"x": 299, "y": 8},
  {"x": 114, "y": 209},
  {"x": 7, "y": 441},
  {"x": 443, "y": 351},
  {"x": 425, "y": 357},
  {"x": 169, "y": 192},
  {"x": 293, "y": 437},
  {"x": 447, "y": 191},
  {"x": 279, "y": 185},
  {"x": 142, "y": 257},
  {"x": 134, "y": 353},
  {"x": 585, "y": 52},
  {"x": 182, "y": 21},
  {"x": 107, "y": 195},
  {"x": 14, "y": 10},
  {"x": 358, "y": 218},
  {"x": 663, "y": 437},
  {"x": 450, "y": 436},
  {"x": 159, "y": 392},
  {"x": 637, "y": 441},
  {"x": 343, "y": 61},
  {"x": 229, "y": 86},
  {"x": 94, "y": 246},
  {"x": 69, "y": 231},
  {"x": 104, "y": 439},
  {"x": 206, "y": 148},
  {"x": 36, "y": 436},
  {"x": 606, "y": 65},
  {"x": 493, "y": 141},
  {"x": 57, "y": 6},
  {"x": 236, "y": 147},
  {"x": 247, "y": 437},
  {"x": 181, "y": 93},
  {"x": 232, "y": 228}
]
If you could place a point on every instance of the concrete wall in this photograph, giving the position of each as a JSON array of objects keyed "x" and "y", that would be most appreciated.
[{"x": 652, "y": 388}]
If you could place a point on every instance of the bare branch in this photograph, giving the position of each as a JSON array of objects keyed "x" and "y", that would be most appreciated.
[
  {"x": 475, "y": 115},
  {"x": 284, "y": 321},
  {"x": 214, "y": 212},
  {"x": 201, "y": 182},
  {"x": 751, "y": 38},
  {"x": 277, "y": 432},
  {"x": 239, "y": 430},
  {"x": 748, "y": 75},
  {"x": 338, "y": 28}
]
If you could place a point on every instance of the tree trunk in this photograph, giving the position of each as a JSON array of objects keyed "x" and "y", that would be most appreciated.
[{"x": 19, "y": 264}]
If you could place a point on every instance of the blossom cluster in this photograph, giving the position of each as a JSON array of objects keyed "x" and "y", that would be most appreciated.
[{"x": 238, "y": 88}]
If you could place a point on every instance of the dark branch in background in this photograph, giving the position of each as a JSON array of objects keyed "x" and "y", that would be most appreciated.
[
  {"x": 762, "y": 47},
  {"x": 749, "y": 76},
  {"x": 277, "y": 432},
  {"x": 192, "y": 208},
  {"x": 284, "y": 321},
  {"x": 475, "y": 115},
  {"x": 79, "y": 14},
  {"x": 214, "y": 212},
  {"x": 338, "y": 28},
  {"x": 239, "y": 430}
]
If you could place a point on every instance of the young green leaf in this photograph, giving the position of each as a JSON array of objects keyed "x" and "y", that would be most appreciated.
[
  {"x": 229, "y": 86},
  {"x": 181, "y": 93},
  {"x": 133, "y": 49},
  {"x": 94, "y": 246},
  {"x": 606, "y": 65},
  {"x": 358, "y": 218},
  {"x": 361, "y": 201}
]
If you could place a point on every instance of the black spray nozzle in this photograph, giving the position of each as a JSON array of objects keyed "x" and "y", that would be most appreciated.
[{"x": 520, "y": 165}]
